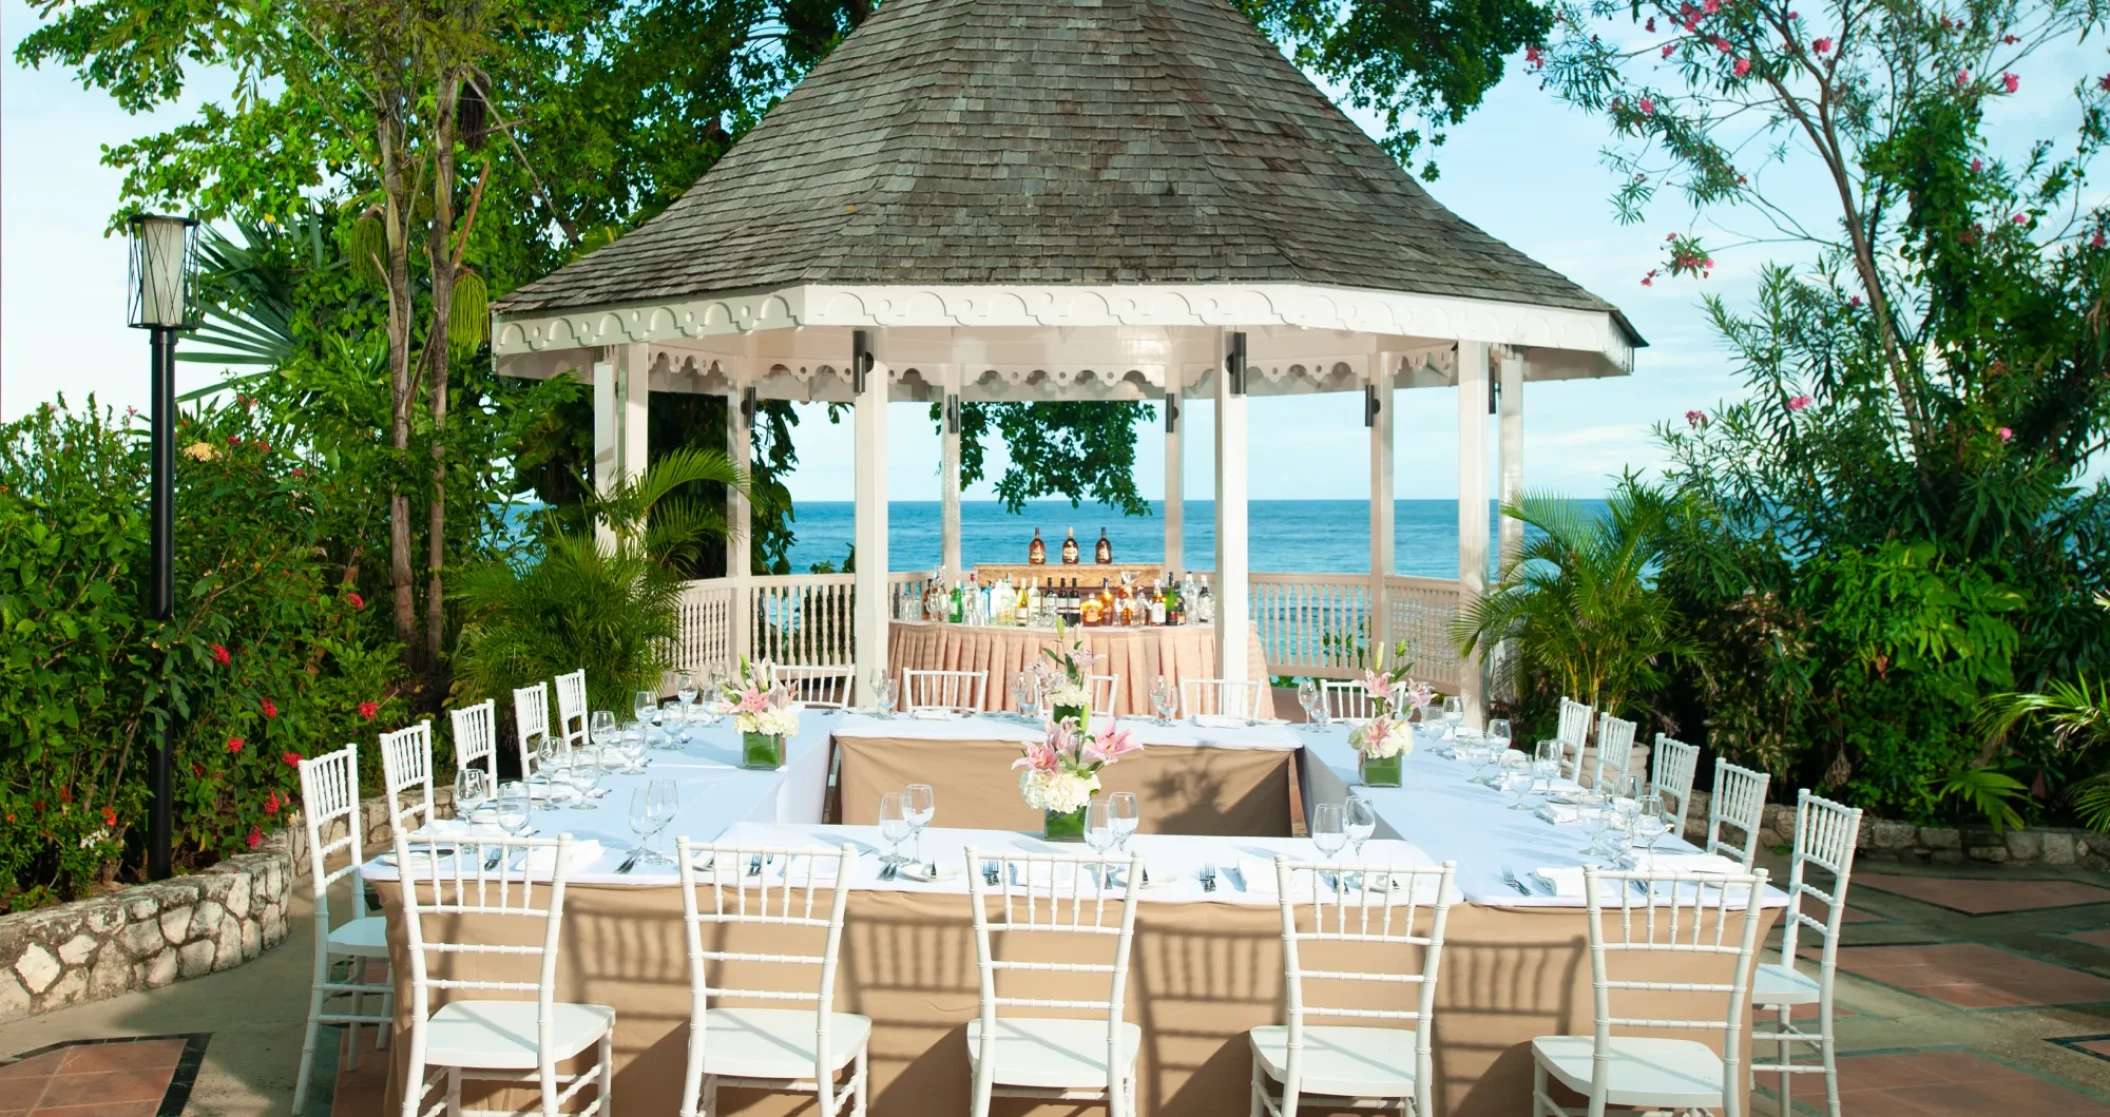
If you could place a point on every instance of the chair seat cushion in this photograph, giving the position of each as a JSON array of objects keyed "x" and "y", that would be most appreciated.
[
  {"x": 1056, "y": 1054},
  {"x": 1775, "y": 984},
  {"x": 777, "y": 1042},
  {"x": 1672, "y": 1073},
  {"x": 500, "y": 1035},
  {"x": 1342, "y": 1062},
  {"x": 365, "y": 938}
]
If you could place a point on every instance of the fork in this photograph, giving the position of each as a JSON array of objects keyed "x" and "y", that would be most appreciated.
[{"x": 1208, "y": 875}]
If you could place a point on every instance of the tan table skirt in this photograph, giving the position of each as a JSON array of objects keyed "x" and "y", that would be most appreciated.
[
  {"x": 1139, "y": 654},
  {"x": 1181, "y": 789},
  {"x": 1202, "y": 974}
]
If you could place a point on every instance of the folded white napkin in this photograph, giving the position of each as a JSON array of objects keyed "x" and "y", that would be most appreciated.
[
  {"x": 456, "y": 828},
  {"x": 1567, "y": 814},
  {"x": 1258, "y": 875},
  {"x": 1045, "y": 874},
  {"x": 1219, "y": 721},
  {"x": 933, "y": 715},
  {"x": 1667, "y": 861},
  {"x": 1564, "y": 881},
  {"x": 582, "y": 852},
  {"x": 802, "y": 868}
]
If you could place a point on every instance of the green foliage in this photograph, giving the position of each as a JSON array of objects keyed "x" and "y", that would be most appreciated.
[
  {"x": 1073, "y": 449},
  {"x": 1988, "y": 793}
]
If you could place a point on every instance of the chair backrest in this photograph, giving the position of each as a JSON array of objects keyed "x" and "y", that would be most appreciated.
[
  {"x": 473, "y": 889},
  {"x": 958, "y": 691},
  {"x": 1346, "y": 699},
  {"x": 821, "y": 687},
  {"x": 1228, "y": 697},
  {"x": 329, "y": 794},
  {"x": 1573, "y": 733},
  {"x": 1055, "y": 895},
  {"x": 813, "y": 892},
  {"x": 1615, "y": 750},
  {"x": 1672, "y": 766},
  {"x": 1676, "y": 916},
  {"x": 531, "y": 715},
  {"x": 476, "y": 739},
  {"x": 1739, "y": 800},
  {"x": 1103, "y": 690},
  {"x": 1825, "y": 836},
  {"x": 1401, "y": 920},
  {"x": 571, "y": 707},
  {"x": 406, "y": 769}
]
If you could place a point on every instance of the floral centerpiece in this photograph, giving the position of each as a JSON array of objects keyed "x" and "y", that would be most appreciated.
[
  {"x": 1383, "y": 742},
  {"x": 764, "y": 713},
  {"x": 1060, "y": 773},
  {"x": 1063, "y": 672}
]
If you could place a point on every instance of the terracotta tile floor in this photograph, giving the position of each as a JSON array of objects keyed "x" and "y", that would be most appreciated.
[
  {"x": 2092, "y": 938},
  {"x": 103, "y": 1079},
  {"x": 1945, "y": 1083},
  {"x": 1984, "y": 897},
  {"x": 1972, "y": 975},
  {"x": 2094, "y": 1047},
  {"x": 1818, "y": 911}
]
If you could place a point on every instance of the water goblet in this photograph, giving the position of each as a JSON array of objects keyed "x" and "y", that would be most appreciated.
[
  {"x": 1546, "y": 765},
  {"x": 1498, "y": 733},
  {"x": 641, "y": 821},
  {"x": 673, "y": 729},
  {"x": 919, "y": 802},
  {"x": 882, "y": 692},
  {"x": 685, "y": 690},
  {"x": 601, "y": 727},
  {"x": 1025, "y": 691},
  {"x": 1328, "y": 831},
  {"x": 645, "y": 705},
  {"x": 665, "y": 803},
  {"x": 470, "y": 790},
  {"x": 1650, "y": 826},
  {"x": 1308, "y": 699},
  {"x": 1099, "y": 834},
  {"x": 1125, "y": 814},
  {"x": 584, "y": 775},
  {"x": 513, "y": 809},
  {"x": 630, "y": 744},
  {"x": 1164, "y": 699},
  {"x": 1359, "y": 819},
  {"x": 1453, "y": 715},
  {"x": 894, "y": 827},
  {"x": 1515, "y": 777}
]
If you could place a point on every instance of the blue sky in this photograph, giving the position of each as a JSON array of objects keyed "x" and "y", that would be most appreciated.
[{"x": 1522, "y": 167}]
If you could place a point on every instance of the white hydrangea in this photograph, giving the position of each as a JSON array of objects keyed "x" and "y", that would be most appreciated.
[
  {"x": 1061, "y": 792},
  {"x": 1070, "y": 694},
  {"x": 1382, "y": 738},
  {"x": 776, "y": 721}
]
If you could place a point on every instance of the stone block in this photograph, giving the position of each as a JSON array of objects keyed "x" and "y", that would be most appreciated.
[
  {"x": 78, "y": 949},
  {"x": 157, "y": 971},
  {"x": 103, "y": 917},
  {"x": 227, "y": 945},
  {"x": 194, "y": 959},
  {"x": 252, "y": 939},
  {"x": 71, "y": 989},
  {"x": 214, "y": 886},
  {"x": 205, "y": 920},
  {"x": 1945, "y": 856},
  {"x": 141, "y": 906},
  {"x": 111, "y": 975},
  {"x": 1941, "y": 837},
  {"x": 141, "y": 938},
  {"x": 1890, "y": 835},
  {"x": 14, "y": 1000},
  {"x": 1990, "y": 854},
  {"x": 175, "y": 924},
  {"x": 38, "y": 969},
  {"x": 2058, "y": 847},
  {"x": 237, "y": 899},
  {"x": 2025, "y": 845}
]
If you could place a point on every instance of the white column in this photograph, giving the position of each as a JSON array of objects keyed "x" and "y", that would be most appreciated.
[
  {"x": 869, "y": 627},
  {"x": 1381, "y": 560},
  {"x": 949, "y": 474},
  {"x": 1175, "y": 482},
  {"x": 1512, "y": 451},
  {"x": 1472, "y": 511},
  {"x": 740, "y": 517},
  {"x": 634, "y": 387},
  {"x": 1233, "y": 607}
]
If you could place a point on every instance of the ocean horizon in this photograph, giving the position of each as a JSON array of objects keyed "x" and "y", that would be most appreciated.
[{"x": 1286, "y": 536}]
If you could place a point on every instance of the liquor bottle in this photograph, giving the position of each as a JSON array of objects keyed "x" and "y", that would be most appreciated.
[
  {"x": 1069, "y": 549},
  {"x": 1104, "y": 552},
  {"x": 1157, "y": 605},
  {"x": 1001, "y": 601},
  {"x": 1029, "y": 603},
  {"x": 1090, "y": 612},
  {"x": 1205, "y": 609},
  {"x": 956, "y": 609},
  {"x": 934, "y": 597},
  {"x": 1189, "y": 606},
  {"x": 1174, "y": 613}
]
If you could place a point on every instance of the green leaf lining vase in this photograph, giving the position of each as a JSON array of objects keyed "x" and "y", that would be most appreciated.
[
  {"x": 1062, "y": 826},
  {"x": 1377, "y": 772},
  {"x": 1077, "y": 714},
  {"x": 762, "y": 751}
]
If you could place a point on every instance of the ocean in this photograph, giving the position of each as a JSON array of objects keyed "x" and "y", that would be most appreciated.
[{"x": 1289, "y": 536}]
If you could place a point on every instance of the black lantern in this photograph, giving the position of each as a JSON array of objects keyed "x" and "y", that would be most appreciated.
[{"x": 162, "y": 302}]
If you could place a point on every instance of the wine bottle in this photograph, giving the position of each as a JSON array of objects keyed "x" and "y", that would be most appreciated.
[
  {"x": 1206, "y": 608},
  {"x": 1069, "y": 549},
  {"x": 1037, "y": 551},
  {"x": 1103, "y": 553}
]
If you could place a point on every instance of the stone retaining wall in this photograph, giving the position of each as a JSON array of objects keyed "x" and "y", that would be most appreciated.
[
  {"x": 1884, "y": 840},
  {"x": 150, "y": 935}
]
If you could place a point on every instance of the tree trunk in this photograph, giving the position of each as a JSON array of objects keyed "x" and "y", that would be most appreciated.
[
  {"x": 396, "y": 220},
  {"x": 438, "y": 249}
]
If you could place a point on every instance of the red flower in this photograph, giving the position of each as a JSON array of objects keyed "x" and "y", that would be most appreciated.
[
  {"x": 234, "y": 440},
  {"x": 1963, "y": 78},
  {"x": 2022, "y": 219},
  {"x": 1855, "y": 301},
  {"x": 2104, "y": 84},
  {"x": 66, "y": 795},
  {"x": 1531, "y": 55},
  {"x": 271, "y": 803},
  {"x": 1696, "y": 418},
  {"x": 1742, "y": 67},
  {"x": 2096, "y": 241},
  {"x": 1977, "y": 165},
  {"x": 220, "y": 654},
  {"x": 1650, "y": 26},
  {"x": 234, "y": 744},
  {"x": 1667, "y": 48},
  {"x": 1798, "y": 403},
  {"x": 198, "y": 770},
  {"x": 1648, "y": 107},
  {"x": 2007, "y": 434},
  {"x": 270, "y": 708},
  {"x": 292, "y": 759},
  {"x": 357, "y": 601},
  {"x": 1822, "y": 46},
  {"x": 110, "y": 816},
  {"x": 2011, "y": 81},
  {"x": 367, "y": 710},
  {"x": 1721, "y": 44},
  {"x": 298, "y": 471},
  {"x": 256, "y": 837},
  {"x": 2009, "y": 40}
]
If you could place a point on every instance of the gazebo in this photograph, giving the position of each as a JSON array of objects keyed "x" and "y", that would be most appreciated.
[{"x": 1074, "y": 200}]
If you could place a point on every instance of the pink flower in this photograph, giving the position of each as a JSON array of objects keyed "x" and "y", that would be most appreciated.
[
  {"x": 234, "y": 440},
  {"x": 2022, "y": 219},
  {"x": 2011, "y": 81},
  {"x": 2104, "y": 83},
  {"x": 1696, "y": 418},
  {"x": 292, "y": 759},
  {"x": 1977, "y": 165},
  {"x": 357, "y": 601},
  {"x": 1648, "y": 107},
  {"x": 1667, "y": 48},
  {"x": 1742, "y": 67},
  {"x": 234, "y": 744},
  {"x": 1112, "y": 743},
  {"x": 2096, "y": 241},
  {"x": 368, "y": 710},
  {"x": 2007, "y": 434},
  {"x": 752, "y": 701},
  {"x": 1531, "y": 55},
  {"x": 1854, "y": 301},
  {"x": 256, "y": 837},
  {"x": 1797, "y": 403},
  {"x": 1721, "y": 44},
  {"x": 1711, "y": 6},
  {"x": 220, "y": 653},
  {"x": 1963, "y": 78},
  {"x": 1375, "y": 685},
  {"x": 1794, "y": 15},
  {"x": 1822, "y": 46},
  {"x": 1650, "y": 26}
]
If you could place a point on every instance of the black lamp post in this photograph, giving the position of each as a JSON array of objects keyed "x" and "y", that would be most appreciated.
[{"x": 164, "y": 255}]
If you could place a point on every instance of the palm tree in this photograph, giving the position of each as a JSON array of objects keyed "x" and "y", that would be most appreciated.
[
  {"x": 2078, "y": 716},
  {"x": 1579, "y": 600},
  {"x": 601, "y": 597}
]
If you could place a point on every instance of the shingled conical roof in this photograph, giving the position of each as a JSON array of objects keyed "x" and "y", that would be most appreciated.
[{"x": 1054, "y": 141}]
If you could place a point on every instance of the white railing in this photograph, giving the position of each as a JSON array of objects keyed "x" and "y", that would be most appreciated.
[{"x": 1309, "y": 624}]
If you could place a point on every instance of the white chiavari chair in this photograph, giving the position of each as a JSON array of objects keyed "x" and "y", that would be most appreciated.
[
  {"x": 1238, "y": 698},
  {"x": 1573, "y": 732},
  {"x": 1376, "y": 1063},
  {"x": 406, "y": 770},
  {"x": 571, "y": 708},
  {"x": 1678, "y": 917},
  {"x": 1346, "y": 699},
  {"x": 1739, "y": 801},
  {"x": 1825, "y": 836},
  {"x": 821, "y": 687},
  {"x": 329, "y": 796},
  {"x": 479, "y": 1039},
  {"x": 1060, "y": 897},
  {"x": 802, "y": 1050},
  {"x": 959, "y": 692},
  {"x": 1615, "y": 751},
  {"x": 531, "y": 717},
  {"x": 476, "y": 740},
  {"x": 1672, "y": 767},
  {"x": 1101, "y": 691}
]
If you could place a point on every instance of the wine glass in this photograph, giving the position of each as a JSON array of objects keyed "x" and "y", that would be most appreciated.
[
  {"x": 601, "y": 727},
  {"x": 1164, "y": 698},
  {"x": 674, "y": 724},
  {"x": 1546, "y": 765},
  {"x": 894, "y": 827},
  {"x": 641, "y": 819},
  {"x": 1099, "y": 834},
  {"x": 645, "y": 705},
  {"x": 584, "y": 775},
  {"x": 1498, "y": 733},
  {"x": 1359, "y": 820},
  {"x": 665, "y": 804},
  {"x": 1125, "y": 814},
  {"x": 1515, "y": 776},
  {"x": 882, "y": 687},
  {"x": 1308, "y": 699},
  {"x": 1453, "y": 715},
  {"x": 549, "y": 753},
  {"x": 1594, "y": 806},
  {"x": 919, "y": 802},
  {"x": 630, "y": 744},
  {"x": 469, "y": 791},
  {"x": 1025, "y": 690},
  {"x": 1328, "y": 831},
  {"x": 685, "y": 691},
  {"x": 513, "y": 808},
  {"x": 1650, "y": 826}
]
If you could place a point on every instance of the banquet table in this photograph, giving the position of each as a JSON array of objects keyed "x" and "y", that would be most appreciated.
[
  {"x": 1138, "y": 654},
  {"x": 1207, "y": 965},
  {"x": 1230, "y": 780}
]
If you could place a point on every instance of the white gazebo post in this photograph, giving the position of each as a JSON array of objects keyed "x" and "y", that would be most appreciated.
[
  {"x": 873, "y": 610},
  {"x": 1175, "y": 482},
  {"x": 1233, "y": 603},
  {"x": 949, "y": 472},
  {"x": 1511, "y": 439},
  {"x": 622, "y": 387},
  {"x": 740, "y": 519},
  {"x": 1472, "y": 512},
  {"x": 1377, "y": 415}
]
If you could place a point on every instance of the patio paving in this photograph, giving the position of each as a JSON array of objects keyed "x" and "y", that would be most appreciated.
[{"x": 1986, "y": 897}]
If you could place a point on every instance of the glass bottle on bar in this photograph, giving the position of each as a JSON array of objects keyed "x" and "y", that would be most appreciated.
[
  {"x": 1069, "y": 549},
  {"x": 1157, "y": 605},
  {"x": 1036, "y": 551},
  {"x": 1090, "y": 612},
  {"x": 1103, "y": 551},
  {"x": 1205, "y": 608}
]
